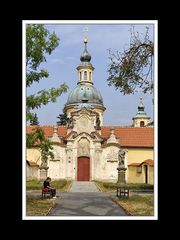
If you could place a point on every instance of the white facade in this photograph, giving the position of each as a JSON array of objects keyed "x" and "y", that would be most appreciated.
[{"x": 83, "y": 140}]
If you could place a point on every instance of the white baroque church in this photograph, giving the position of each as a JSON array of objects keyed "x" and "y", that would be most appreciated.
[{"x": 85, "y": 150}]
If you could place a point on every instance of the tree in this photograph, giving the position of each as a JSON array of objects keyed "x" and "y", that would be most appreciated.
[
  {"x": 39, "y": 43},
  {"x": 63, "y": 119},
  {"x": 132, "y": 69},
  {"x": 34, "y": 121},
  {"x": 37, "y": 139},
  {"x": 46, "y": 152}
]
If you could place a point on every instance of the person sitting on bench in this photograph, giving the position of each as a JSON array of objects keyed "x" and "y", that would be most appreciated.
[{"x": 46, "y": 185}]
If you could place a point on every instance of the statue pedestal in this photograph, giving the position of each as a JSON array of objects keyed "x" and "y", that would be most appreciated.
[
  {"x": 121, "y": 174},
  {"x": 43, "y": 172}
]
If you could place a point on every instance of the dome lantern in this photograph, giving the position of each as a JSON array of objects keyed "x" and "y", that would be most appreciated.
[{"x": 85, "y": 68}]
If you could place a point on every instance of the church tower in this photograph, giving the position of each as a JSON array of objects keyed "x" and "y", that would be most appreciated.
[
  {"x": 85, "y": 95},
  {"x": 85, "y": 68},
  {"x": 141, "y": 119}
]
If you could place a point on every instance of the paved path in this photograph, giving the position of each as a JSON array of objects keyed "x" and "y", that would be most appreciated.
[
  {"x": 86, "y": 204},
  {"x": 83, "y": 187}
]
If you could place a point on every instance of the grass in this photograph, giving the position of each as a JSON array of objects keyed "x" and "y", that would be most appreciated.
[
  {"x": 110, "y": 186},
  {"x": 138, "y": 205},
  {"x": 33, "y": 185},
  {"x": 60, "y": 185},
  {"x": 39, "y": 207},
  {"x": 35, "y": 205},
  {"x": 101, "y": 186}
]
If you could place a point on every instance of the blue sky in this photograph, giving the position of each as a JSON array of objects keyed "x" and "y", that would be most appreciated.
[{"x": 62, "y": 64}]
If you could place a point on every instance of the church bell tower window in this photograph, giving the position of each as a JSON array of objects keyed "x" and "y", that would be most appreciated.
[
  {"x": 90, "y": 76},
  {"x": 85, "y": 75},
  {"x": 141, "y": 123}
]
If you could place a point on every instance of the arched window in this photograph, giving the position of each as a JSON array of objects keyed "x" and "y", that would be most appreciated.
[
  {"x": 90, "y": 76},
  {"x": 141, "y": 123},
  {"x": 80, "y": 75},
  {"x": 85, "y": 75}
]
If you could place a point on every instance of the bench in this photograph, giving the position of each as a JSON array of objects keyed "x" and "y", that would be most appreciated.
[
  {"x": 122, "y": 191},
  {"x": 45, "y": 193}
]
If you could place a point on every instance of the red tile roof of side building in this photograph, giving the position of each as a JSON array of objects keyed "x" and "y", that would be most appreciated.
[
  {"x": 150, "y": 162},
  {"x": 48, "y": 130},
  {"x": 129, "y": 136}
]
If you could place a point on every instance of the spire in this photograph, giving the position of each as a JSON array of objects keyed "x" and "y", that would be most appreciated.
[
  {"x": 141, "y": 107},
  {"x": 85, "y": 68},
  {"x": 141, "y": 119},
  {"x": 85, "y": 56},
  {"x": 85, "y": 41}
]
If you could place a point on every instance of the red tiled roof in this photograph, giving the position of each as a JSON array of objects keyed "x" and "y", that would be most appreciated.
[
  {"x": 62, "y": 130},
  {"x": 131, "y": 136},
  {"x": 150, "y": 162}
]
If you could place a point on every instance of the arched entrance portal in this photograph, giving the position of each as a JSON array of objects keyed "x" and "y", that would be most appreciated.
[{"x": 83, "y": 169}]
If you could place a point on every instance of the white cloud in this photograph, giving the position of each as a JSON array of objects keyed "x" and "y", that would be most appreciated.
[
  {"x": 70, "y": 58},
  {"x": 57, "y": 61}
]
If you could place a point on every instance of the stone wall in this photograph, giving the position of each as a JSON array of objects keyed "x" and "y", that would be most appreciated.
[
  {"x": 32, "y": 172},
  {"x": 57, "y": 166},
  {"x": 106, "y": 163}
]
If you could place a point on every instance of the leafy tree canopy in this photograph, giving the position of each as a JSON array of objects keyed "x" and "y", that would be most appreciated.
[
  {"x": 132, "y": 69},
  {"x": 37, "y": 139},
  {"x": 39, "y": 43},
  {"x": 34, "y": 121}
]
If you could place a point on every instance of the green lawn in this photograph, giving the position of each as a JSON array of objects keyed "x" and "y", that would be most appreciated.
[
  {"x": 35, "y": 205},
  {"x": 60, "y": 185},
  {"x": 110, "y": 186},
  {"x": 138, "y": 205},
  {"x": 33, "y": 185}
]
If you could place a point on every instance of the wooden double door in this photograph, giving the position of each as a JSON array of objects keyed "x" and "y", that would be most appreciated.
[{"x": 83, "y": 169}]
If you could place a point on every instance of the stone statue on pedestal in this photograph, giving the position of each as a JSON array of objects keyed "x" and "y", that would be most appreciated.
[
  {"x": 121, "y": 166},
  {"x": 121, "y": 157}
]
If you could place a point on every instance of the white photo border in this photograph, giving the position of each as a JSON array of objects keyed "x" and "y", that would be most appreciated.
[{"x": 90, "y": 22}]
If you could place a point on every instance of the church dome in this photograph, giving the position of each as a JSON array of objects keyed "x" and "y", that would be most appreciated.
[
  {"x": 85, "y": 93},
  {"x": 85, "y": 56}
]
